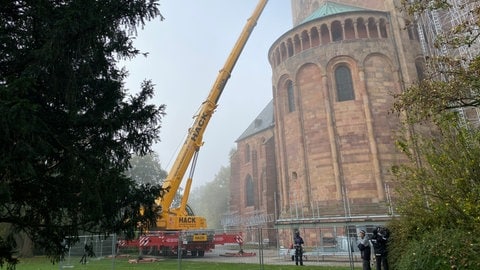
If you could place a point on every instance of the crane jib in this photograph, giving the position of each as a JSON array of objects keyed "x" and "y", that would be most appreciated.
[
  {"x": 177, "y": 218},
  {"x": 221, "y": 85},
  {"x": 201, "y": 122}
]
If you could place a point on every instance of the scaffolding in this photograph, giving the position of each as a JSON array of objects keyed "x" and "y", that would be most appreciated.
[{"x": 436, "y": 24}]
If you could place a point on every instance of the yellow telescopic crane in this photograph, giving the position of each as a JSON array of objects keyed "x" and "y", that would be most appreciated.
[{"x": 180, "y": 218}]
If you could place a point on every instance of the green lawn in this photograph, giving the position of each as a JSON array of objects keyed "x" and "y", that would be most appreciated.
[{"x": 41, "y": 263}]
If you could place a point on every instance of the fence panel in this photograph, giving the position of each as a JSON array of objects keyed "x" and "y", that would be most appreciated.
[
  {"x": 89, "y": 247},
  {"x": 324, "y": 245}
]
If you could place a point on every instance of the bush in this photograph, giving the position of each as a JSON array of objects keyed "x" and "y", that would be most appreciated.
[{"x": 437, "y": 250}]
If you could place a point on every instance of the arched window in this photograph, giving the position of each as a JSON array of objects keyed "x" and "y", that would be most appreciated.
[
  {"x": 343, "y": 81},
  {"x": 337, "y": 31},
  {"x": 372, "y": 28},
  {"x": 410, "y": 30},
  {"x": 315, "y": 37},
  {"x": 383, "y": 28},
  {"x": 420, "y": 67},
  {"x": 247, "y": 153},
  {"x": 324, "y": 34},
  {"x": 290, "y": 96},
  {"x": 297, "y": 44},
  {"x": 361, "y": 28},
  {"x": 289, "y": 47},
  {"x": 349, "y": 29},
  {"x": 249, "y": 192},
  {"x": 283, "y": 51},
  {"x": 278, "y": 60},
  {"x": 305, "y": 40}
]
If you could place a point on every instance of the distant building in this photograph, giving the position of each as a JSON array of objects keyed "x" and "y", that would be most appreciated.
[{"x": 321, "y": 151}]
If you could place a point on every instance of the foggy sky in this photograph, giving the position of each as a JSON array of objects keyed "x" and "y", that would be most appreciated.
[{"x": 186, "y": 52}]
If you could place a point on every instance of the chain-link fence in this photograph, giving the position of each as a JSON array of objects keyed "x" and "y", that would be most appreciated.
[
  {"x": 334, "y": 244},
  {"x": 323, "y": 245},
  {"x": 89, "y": 247}
]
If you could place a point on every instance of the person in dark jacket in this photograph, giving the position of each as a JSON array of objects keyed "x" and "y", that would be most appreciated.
[
  {"x": 365, "y": 250},
  {"x": 379, "y": 241},
  {"x": 297, "y": 244}
]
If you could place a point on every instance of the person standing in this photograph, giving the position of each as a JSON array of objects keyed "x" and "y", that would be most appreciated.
[
  {"x": 297, "y": 244},
  {"x": 379, "y": 241},
  {"x": 365, "y": 250},
  {"x": 87, "y": 251},
  {"x": 83, "y": 260}
]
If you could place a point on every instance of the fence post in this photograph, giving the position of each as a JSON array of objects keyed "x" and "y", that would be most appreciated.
[
  {"x": 114, "y": 250},
  {"x": 179, "y": 249},
  {"x": 260, "y": 247}
]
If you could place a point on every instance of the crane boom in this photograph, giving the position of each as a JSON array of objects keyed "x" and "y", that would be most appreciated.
[{"x": 176, "y": 219}]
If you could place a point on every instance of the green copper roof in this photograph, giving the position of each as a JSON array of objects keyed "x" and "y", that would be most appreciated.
[{"x": 330, "y": 8}]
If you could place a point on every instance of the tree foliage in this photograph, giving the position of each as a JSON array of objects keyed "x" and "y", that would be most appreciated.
[
  {"x": 438, "y": 192},
  {"x": 439, "y": 201},
  {"x": 211, "y": 199},
  {"x": 451, "y": 79},
  {"x": 146, "y": 170},
  {"x": 68, "y": 126}
]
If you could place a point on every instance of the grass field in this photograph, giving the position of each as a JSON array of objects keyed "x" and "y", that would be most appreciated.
[{"x": 41, "y": 263}]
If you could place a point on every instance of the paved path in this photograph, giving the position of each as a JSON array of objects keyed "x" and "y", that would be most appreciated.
[{"x": 269, "y": 257}]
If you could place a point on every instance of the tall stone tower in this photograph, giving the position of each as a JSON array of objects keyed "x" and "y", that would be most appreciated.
[{"x": 334, "y": 75}]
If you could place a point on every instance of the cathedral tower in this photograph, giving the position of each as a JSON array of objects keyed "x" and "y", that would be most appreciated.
[
  {"x": 332, "y": 133},
  {"x": 334, "y": 74}
]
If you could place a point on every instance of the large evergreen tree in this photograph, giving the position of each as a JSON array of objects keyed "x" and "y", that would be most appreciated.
[{"x": 67, "y": 125}]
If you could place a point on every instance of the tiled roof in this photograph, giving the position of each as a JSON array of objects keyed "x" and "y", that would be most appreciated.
[
  {"x": 263, "y": 121},
  {"x": 330, "y": 8}
]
